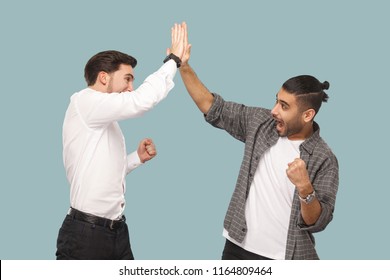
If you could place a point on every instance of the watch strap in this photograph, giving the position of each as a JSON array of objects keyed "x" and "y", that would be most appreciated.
[
  {"x": 174, "y": 58},
  {"x": 309, "y": 198}
]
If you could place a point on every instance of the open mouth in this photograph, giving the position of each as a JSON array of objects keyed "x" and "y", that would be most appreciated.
[{"x": 279, "y": 125}]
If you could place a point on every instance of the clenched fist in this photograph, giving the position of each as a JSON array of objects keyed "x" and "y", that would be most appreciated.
[
  {"x": 146, "y": 150},
  {"x": 298, "y": 175}
]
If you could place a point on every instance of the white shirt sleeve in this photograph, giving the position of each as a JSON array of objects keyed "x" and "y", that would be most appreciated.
[
  {"x": 102, "y": 108},
  {"x": 133, "y": 161}
]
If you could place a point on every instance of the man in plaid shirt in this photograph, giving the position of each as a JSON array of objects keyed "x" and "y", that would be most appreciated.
[{"x": 287, "y": 185}]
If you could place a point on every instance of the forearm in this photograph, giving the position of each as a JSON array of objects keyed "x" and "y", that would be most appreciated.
[
  {"x": 156, "y": 86},
  {"x": 315, "y": 216},
  {"x": 198, "y": 92},
  {"x": 311, "y": 212},
  {"x": 120, "y": 106}
]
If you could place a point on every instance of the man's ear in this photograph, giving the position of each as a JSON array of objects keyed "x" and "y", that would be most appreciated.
[
  {"x": 103, "y": 78},
  {"x": 308, "y": 115}
]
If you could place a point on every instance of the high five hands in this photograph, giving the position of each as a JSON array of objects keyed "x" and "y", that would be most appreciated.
[{"x": 179, "y": 45}]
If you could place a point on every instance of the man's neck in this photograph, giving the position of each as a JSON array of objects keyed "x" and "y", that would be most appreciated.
[
  {"x": 99, "y": 88},
  {"x": 305, "y": 133}
]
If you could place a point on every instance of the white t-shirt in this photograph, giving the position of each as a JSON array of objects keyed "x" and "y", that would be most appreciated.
[{"x": 268, "y": 205}]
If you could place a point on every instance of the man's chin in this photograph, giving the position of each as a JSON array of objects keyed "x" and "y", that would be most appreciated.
[{"x": 281, "y": 133}]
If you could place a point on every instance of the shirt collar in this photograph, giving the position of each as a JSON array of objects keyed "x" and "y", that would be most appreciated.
[{"x": 310, "y": 143}]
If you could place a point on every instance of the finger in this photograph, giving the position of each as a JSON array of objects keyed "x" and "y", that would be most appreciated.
[
  {"x": 185, "y": 34},
  {"x": 182, "y": 32},
  {"x": 145, "y": 142},
  {"x": 149, "y": 143},
  {"x": 151, "y": 151},
  {"x": 173, "y": 33},
  {"x": 150, "y": 146},
  {"x": 177, "y": 32}
]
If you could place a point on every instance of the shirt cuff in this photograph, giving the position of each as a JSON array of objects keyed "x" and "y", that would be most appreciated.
[
  {"x": 170, "y": 68},
  {"x": 133, "y": 161},
  {"x": 215, "y": 108}
]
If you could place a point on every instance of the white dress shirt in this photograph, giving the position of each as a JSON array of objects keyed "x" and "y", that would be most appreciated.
[{"x": 94, "y": 150}]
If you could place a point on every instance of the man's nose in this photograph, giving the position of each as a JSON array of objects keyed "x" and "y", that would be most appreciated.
[
  {"x": 274, "y": 110},
  {"x": 130, "y": 87}
]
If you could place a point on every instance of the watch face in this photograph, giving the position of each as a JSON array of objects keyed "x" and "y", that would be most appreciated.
[{"x": 309, "y": 198}]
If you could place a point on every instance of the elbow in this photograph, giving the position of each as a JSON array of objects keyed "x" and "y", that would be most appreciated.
[
  {"x": 316, "y": 224},
  {"x": 205, "y": 106}
]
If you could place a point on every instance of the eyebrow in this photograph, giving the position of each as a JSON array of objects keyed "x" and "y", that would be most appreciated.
[
  {"x": 130, "y": 75},
  {"x": 282, "y": 101}
]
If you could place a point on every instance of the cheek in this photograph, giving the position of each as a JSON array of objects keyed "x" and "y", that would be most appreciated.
[
  {"x": 120, "y": 86},
  {"x": 283, "y": 116},
  {"x": 287, "y": 118}
]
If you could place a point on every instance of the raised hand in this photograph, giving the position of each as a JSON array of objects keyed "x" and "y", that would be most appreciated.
[
  {"x": 178, "y": 32},
  {"x": 187, "y": 46}
]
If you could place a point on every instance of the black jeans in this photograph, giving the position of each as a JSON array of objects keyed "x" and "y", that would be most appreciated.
[
  {"x": 79, "y": 240},
  {"x": 235, "y": 252}
]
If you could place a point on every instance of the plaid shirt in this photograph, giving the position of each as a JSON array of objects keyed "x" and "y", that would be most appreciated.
[{"x": 256, "y": 128}]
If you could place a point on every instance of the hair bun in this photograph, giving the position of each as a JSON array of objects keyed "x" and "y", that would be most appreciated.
[{"x": 325, "y": 85}]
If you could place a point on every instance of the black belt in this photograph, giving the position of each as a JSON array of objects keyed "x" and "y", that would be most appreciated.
[{"x": 92, "y": 219}]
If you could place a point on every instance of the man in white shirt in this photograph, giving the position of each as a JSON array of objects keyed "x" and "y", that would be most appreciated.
[{"x": 94, "y": 150}]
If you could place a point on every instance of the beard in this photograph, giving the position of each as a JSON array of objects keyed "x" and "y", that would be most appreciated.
[{"x": 288, "y": 129}]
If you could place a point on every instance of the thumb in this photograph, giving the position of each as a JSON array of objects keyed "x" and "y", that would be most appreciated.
[
  {"x": 148, "y": 141},
  {"x": 168, "y": 51}
]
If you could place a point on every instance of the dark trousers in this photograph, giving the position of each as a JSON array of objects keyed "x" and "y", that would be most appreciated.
[
  {"x": 235, "y": 252},
  {"x": 79, "y": 240}
]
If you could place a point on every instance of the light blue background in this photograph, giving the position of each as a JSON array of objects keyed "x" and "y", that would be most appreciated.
[{"x": 243, "y": 50}]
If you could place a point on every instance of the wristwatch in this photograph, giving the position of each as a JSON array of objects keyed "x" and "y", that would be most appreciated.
[
  {"x": 309, "y": 198},
  {"x": 175, "y": 58}
]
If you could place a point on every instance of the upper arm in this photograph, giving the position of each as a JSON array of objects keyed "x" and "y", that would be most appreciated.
[
  {"x": 230, "y": 116},
  {"x": 237, "y": 119}
]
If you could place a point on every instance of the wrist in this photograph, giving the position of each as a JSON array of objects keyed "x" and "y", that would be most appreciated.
[
  {"x": 305, "y": 189},
  {"x": 140, "y": 157},
  {"x": 174, "y": 58},
  {"x": 184, "y": 65},
  {"x": 307, "y": 199}
]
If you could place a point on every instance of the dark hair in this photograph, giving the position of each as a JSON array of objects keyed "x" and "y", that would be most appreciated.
[
  {"x": 308, "y": 90},
  {"x": 107, "y": 61}
]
